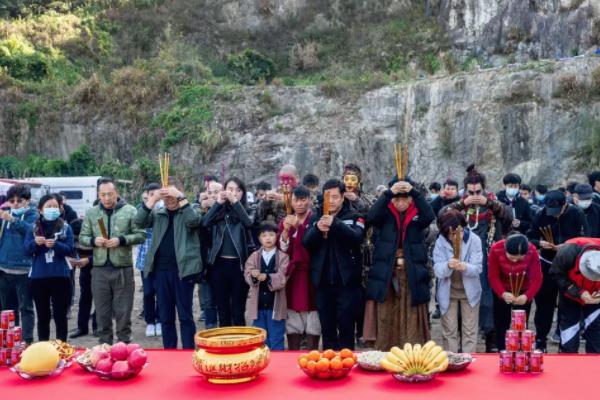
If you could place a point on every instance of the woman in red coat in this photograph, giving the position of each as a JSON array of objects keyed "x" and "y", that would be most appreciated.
[{"x": 515, "y": 275}]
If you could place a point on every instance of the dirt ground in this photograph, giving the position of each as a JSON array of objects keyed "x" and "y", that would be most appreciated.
[{"x": 139, "y": 326}]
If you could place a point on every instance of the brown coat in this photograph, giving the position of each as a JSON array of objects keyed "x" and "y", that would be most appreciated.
[{"x": 277, "y": 285}]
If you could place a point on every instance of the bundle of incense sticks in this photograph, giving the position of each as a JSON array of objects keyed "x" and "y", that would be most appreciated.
[
  {"x": 287, "y": 201},
  {"x": 326, "y": 206},
  {"x": 516, "y": 281},
  {"x": 103, "y": 230},
  {"x": 401, "y": 160},
  {"x": 164, "y": 162},
  {"x": 456, "y": 239},
  {"x": 547, "y": 233}
]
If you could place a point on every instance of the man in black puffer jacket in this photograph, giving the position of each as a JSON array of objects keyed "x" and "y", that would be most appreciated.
[{"x": 333, "y": 242}]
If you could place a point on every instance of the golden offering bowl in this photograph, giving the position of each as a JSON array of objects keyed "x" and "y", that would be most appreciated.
[{"x": 231, "y": 355}]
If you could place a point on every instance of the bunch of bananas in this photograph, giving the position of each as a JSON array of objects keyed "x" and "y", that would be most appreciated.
[
  {"x": 416, "y": 360},
  {"x": 64, "y": 349}
]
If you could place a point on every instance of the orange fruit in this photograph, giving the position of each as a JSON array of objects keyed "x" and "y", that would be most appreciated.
[
  {"x": 323, "y": 365},
  {"x": 348, "y": 362},
  {"x": 355, "y": 357},
  {"x": 303, "y": 362},
  {"x": 311, "y": 366},
  {"x": 346, "y": 353},
  {"x": 329, "y": 354},
  {"x": 314, "y": 355},
  {"x": 336, "y": 364}
]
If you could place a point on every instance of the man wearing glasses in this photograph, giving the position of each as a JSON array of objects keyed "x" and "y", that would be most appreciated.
[{"x": 14, "y": 263}]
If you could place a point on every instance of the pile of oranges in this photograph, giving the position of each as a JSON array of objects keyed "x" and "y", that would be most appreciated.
[{"x": 328, "y": 364}]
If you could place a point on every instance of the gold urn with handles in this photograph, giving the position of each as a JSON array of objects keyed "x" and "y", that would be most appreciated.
[{"x": 230, "y": 355}]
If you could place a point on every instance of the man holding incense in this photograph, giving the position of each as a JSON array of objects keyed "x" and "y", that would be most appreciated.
[
  {"x": 399, "y": 280},
  {"x": 515, "y": 275},
  {"x": 556, "y": 223},
  {"x": 272, "y": 208},
  {"x": 108, "y": 227},
  {"x": 333, "y": 242},
  {"x": 576, "y": 270}
]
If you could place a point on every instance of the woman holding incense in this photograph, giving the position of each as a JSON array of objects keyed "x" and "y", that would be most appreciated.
[
  {"x": 398, "y": 285},
  {"x": 515, "y": 275},
  {"x": 457, "y": 258}
]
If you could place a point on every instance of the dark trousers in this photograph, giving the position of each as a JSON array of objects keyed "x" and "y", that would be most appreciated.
[
  {"x": 502, "y": 319},
  {"x": 545, "y": 303},
  {"x": 52, "y": 298},
  {"x": 175, "y": 295},
  {"x": 207, "y": 304},
  {"x": 570, "y": 315},
  {"x": 85, "y": 300},
  {"x": 24, "y": 314},
  {"x": 338, "y": 308},
  {"x": 229, "y": 291},
  {"x": 150, "y": 302}
]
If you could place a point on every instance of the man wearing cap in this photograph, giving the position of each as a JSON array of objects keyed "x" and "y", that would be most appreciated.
[
  {"x": 583, "y": 198},
  {"x": 576, "y": 270},
  {"x": 564, "y": 221},
  {"x": 519, "y": 206}
]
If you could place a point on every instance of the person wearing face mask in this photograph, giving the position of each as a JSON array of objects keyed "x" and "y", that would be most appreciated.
[
  {"x": 512, "y": 263},
  {"x": 519, "y": 207},
  {"x": 539, "y": 198},
  {"x": 173, "y": 261},
  {"x": 434, "y": 191},
  {"x": 150, "y": 304},
  {"x": 50, "y": 242},
  {"x": 448, "y": 195},
  {"x": 231, "y": 244},
  {"x": 398, "y": 286},
  {"x": 15, "y": 263},
  {"x": 565, "y": 221},
  {"x": 583, "y": 198}
]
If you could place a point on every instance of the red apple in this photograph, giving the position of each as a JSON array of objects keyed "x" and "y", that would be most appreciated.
[
  {"x": 98, "y": 355},
  {"x": 120, "y": 370},
  {"x": 137, "y": 358},
  {"x": 105, "y": 365},
  {"x": 132, "y": 346},
  {"x": 118, "y": 352}
]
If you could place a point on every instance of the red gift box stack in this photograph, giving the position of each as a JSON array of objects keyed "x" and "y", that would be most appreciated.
[
  {"x": 11, "y": 345},
  {"x": 520, "y": 354}
]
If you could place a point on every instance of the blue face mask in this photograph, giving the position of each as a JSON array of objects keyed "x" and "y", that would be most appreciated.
[
  {"x": 512, "y": 192},
  {"x": 51, "y": 213},
  {"x": 540, "y": 197},
  {"x": 434, "y": 196},
  {"x": 17, "y": 212}
]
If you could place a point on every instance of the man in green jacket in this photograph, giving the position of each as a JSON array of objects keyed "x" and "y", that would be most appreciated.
[
  {"x": 173, "y": 261},
  {"x": 112, "y": 277}
]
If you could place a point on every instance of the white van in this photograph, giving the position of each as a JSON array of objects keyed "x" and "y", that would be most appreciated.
[{"x": 80, "y": 191}]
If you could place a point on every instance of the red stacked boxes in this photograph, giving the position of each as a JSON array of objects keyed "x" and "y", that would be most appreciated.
[
  {"x": 10, "y": 339},
  {"x": 520, "y": 354}
]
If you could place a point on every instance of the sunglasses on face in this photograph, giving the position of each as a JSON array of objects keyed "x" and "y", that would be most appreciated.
[{"x": 474, "y": 193}]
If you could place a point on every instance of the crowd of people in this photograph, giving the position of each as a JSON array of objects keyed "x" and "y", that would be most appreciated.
[{"x": 312, "y": 264}]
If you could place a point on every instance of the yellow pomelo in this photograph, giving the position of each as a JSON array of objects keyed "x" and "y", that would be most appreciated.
[{"x": 39, "y": 359}]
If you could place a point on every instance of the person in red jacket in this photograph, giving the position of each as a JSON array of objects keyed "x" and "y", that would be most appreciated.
[
  {"x": 515, "y": 275},
  {"x": 576, "y": 270},
  {"x": 302, "y": 316}
]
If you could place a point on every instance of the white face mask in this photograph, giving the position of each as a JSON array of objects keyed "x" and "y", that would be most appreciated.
[
  {"x": 584, "y": 204},
  {"x": 159, "y": 204},
  {"x": 512, "y": 192}
]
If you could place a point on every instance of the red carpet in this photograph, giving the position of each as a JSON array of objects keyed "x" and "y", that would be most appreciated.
[{"x": 170, "y": 376}]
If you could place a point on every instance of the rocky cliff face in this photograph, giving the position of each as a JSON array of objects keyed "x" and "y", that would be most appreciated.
[{"x": 497, "y": 30}]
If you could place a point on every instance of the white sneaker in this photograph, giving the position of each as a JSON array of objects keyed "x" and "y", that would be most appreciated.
[
  {"x": 158, "y": 331},
  {"x": 150, "y": 330}
]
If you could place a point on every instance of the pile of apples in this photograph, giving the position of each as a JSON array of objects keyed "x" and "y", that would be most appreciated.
[{"x": 120, "y": 361}]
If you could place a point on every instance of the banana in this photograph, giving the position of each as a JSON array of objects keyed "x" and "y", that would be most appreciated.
[
  {"x": 442, "y": 367},
  {"x": 409, "y": 354},
  {"x": 396, "y": 351},
  {"x": 435, "y": 351},
  {"x": 437, "y": 361},
  {"x": 393, "y": 359},
  {"x": 391, "y": 367},
  {"x": 417, "y": 354},
  {"x": 427, "y": 348}
]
